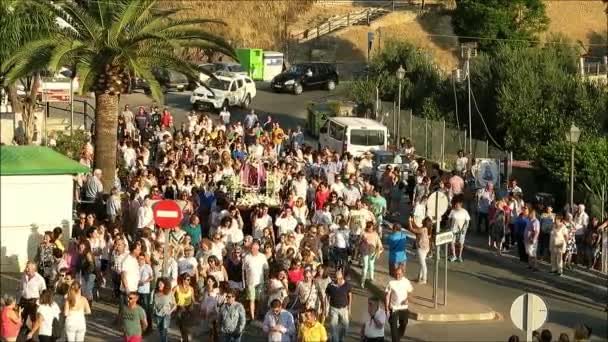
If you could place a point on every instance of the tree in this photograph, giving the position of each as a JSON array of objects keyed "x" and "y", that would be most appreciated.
[
  {"x": 499, "y": 19},
  {"x": 22, "y": 21},
  {"x": 590, "y": 165},
  {"x": 106, "y": 39},
  {"x": 530, "y": 95}
]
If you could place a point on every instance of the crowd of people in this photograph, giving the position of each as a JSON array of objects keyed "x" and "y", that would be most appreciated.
[{"x": 270, "y": 229}]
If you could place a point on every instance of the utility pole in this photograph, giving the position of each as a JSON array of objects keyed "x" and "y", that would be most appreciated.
[{"x": 468, "y": 51}]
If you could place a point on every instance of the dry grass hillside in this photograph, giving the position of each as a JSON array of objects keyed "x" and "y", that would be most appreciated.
[
  {"x": 583, "y": 21},
  {"x": 262, "y": 24},
  {"x": 255, "y": 24},
  {"x": 405, "y": 25}
]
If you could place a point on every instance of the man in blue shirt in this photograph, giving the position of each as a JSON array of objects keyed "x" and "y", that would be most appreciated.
[
  {"x": 519, "y": 226},
  {"x": 396, "y": 242}
]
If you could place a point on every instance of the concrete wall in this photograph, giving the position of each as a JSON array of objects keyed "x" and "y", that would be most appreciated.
[{"x": 31, "y": 205}]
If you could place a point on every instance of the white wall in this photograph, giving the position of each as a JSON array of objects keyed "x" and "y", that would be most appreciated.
[{"x": 29, "y": 206}]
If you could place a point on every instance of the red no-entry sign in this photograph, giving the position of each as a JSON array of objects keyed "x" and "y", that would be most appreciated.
[{"x": 167, "y": 214}]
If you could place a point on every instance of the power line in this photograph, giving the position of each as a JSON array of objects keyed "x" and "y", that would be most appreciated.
[{"x": 484, "y": 121}]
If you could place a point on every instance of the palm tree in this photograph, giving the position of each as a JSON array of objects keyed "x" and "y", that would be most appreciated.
[
  {"x": 22, "y": 21},
  {"x": 107, "y": 39}
]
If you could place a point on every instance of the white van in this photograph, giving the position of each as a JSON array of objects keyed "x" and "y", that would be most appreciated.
[{"x": 353, "y": 135}]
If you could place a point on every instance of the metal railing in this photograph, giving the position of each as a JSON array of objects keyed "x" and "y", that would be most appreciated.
[
  {"x": 363, "y": 16},
  {"x": 82, "y": 108}
]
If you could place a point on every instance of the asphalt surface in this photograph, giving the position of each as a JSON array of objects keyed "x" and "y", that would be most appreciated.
[{"x": 288, "y": 109}]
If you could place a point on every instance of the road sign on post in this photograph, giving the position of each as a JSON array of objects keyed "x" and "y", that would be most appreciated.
[
  {"x": 443, "y": 238},
  {"x": 528, "y": 313},
  {"x": 167, "y": 215}
]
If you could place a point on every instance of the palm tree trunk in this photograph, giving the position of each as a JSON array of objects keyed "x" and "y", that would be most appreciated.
[{"x": 106, "y": 125}]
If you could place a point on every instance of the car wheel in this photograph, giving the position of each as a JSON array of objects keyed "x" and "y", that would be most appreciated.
[
  {"x": 147, "y": 91},
  {"x": 247, "y": 102},
  {"x": 331, "y": 85},
  {"x": 297, "y": 89}
]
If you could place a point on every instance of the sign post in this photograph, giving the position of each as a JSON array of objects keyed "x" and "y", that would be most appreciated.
[
  {"x": 528, "y": 313},
  {"x": 370, "y": 41},
  {"x": 444, "y": 239},
  {"x": 167, "y": 215},
  {"x": 436, "y": 206}
]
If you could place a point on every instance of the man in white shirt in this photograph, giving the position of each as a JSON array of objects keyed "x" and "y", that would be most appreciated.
[
  {"x": 187, "y": 263},
  {"x": 145, "y": 216},
  {"x": 351, "y": 192},
  {"x": 261, "y": 220},
  {"x": 30, "y": 287},
  {"x": 225, "y": 116},
  {"x": 300, "y": 185},
  {"x": 339, "y": 239},
  {"x": 255, "y": 269},
  {"x": 373, "y": 330},
  {"x": 286, "y": 223},
  {"x": 458, "y": 222},
  {"x": 338, "y": 187},
  {"x": 129, "y": 276},
  {"x": 396, "y": 303}
]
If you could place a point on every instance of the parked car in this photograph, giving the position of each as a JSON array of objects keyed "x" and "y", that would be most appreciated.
[
  {"x": 384, "y": 158},
  {"x": 210, "y": 68},
  {"x": 226, "y": 90},
  {"x": 304, "y": 76},
  {"x": 168, "y": 80}
]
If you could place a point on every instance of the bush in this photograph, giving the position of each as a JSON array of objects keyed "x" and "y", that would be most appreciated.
[{"x": 71, "y": 145}]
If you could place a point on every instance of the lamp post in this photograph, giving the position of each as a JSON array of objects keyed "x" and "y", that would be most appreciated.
[
  {"x": 572, "y": 137},
  {"x": 400, "y": 76}
]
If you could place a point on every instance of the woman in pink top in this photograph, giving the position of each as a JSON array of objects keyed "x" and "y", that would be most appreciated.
[{"x": 11, "y": 320}]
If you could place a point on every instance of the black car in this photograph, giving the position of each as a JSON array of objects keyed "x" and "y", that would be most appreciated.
[
  {"x": 306, "y": 75},
  {"x": 168, "y": 80}
]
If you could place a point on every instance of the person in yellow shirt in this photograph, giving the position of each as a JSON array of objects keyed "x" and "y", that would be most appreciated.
[
  {"x": 277, "y": 138},
  {"x": 311, "y": 330}
]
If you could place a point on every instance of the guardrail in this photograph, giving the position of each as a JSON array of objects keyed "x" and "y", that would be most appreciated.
[{"x": 364, "y": 16}]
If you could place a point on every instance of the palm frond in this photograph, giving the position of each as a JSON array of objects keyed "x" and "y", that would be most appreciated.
[
  {"x": 145, "y": 72},
  {"x": 65, "y": 53}
]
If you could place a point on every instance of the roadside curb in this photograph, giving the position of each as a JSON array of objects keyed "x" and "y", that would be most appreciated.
[{"x": 488, "y": 315}]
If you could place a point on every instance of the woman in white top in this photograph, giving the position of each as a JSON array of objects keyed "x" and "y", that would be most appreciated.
[
  {"x": 75, "y": 308},
  {"x": 557, "y": 243},
  {"x": 48, "y": 310},
  {"x": 300, "y": 211}
]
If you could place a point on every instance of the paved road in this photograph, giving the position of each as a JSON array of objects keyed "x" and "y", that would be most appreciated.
[{"x": 288, "y": 109}]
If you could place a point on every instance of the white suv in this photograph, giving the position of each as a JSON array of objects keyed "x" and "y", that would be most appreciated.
[{"x": 228, "y": 89}]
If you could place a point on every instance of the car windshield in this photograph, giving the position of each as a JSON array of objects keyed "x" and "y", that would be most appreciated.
[
  {"x": 208, "y": 67},
  {"x": 298, "y": 69},
  {"x": 366, "y": 137},
  {"x": 384, "y": 158},
  {"x": 235, "y": 68},
  {"x": 215, "y": 83}
]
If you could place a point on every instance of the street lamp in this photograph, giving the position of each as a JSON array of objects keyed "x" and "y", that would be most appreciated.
[
  {"x": 400, "y": 76},
  {"x": 572, "y": 137}
]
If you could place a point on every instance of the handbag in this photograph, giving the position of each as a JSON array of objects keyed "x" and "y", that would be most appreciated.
[{"x": 57, "y": 328}]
